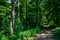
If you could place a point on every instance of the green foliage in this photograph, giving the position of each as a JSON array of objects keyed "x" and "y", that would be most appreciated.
[
  {"x": 57, "y": 33},
  {"x": 29, "y": 33},
  {"x": 12, "y": 37},
  {"x": 48, "y": 13},
  {"x": 4, "y": 37},
  {"x": 21, "y": 35}
]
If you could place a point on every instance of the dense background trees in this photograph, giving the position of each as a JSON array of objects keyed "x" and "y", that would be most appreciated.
[{"x": 22, "y": 15}]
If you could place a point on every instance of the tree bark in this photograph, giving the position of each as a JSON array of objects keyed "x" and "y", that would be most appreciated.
[
  {"x": 19, "y": 15},
  {"x": 19, "y": 11},
  {"x": 12, "y": 17}
]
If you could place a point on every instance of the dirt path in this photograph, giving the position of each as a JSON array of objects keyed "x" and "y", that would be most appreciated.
[{"x": 43, "y": 35}]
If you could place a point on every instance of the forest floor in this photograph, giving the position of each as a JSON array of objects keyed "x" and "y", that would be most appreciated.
[{"x": 43, "y": 35}]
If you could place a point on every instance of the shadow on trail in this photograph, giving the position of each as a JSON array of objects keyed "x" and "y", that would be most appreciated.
[{"x": 45, "y": 35}]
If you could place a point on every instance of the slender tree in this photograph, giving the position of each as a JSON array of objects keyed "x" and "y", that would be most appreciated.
[
  {"x": 19, "y": 11},
  {"x": 12, "y": 17},
  {"x": 19, "y": 14}
]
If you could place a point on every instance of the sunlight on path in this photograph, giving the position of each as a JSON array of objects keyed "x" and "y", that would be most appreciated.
[
  {"x": 43, "y": 35},
  {"x": 46, "y": 35}
]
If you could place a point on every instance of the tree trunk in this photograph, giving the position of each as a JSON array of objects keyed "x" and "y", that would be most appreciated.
[
  {"x": 19, "y": 11},
  {"x": 12, "y": 17},
  {"x": 19, "y": 15}
]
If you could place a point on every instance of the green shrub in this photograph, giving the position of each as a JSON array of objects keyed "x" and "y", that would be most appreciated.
[
  {"x": 4, "y": 37},
  {"x": 28, "y": 33},
  {"x": 57, "y": 33},
  {"x": 12, "y": 37},
  {"x": 21, "y": 35}
]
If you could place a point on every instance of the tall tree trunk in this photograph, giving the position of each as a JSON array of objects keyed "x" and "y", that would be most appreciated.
[
  {"x": 12, "y": 17},
  {"x": 19, "y": 11},
  {"x": 19, "y": 15}
]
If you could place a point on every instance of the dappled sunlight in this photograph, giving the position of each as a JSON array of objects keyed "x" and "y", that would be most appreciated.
[{"x": 29, "y": 19}]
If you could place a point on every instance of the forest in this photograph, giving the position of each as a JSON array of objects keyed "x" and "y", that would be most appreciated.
[{"x": 29, "y": 19}]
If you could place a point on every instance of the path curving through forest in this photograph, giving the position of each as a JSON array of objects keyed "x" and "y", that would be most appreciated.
[{"x": 43, "y": 35}]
